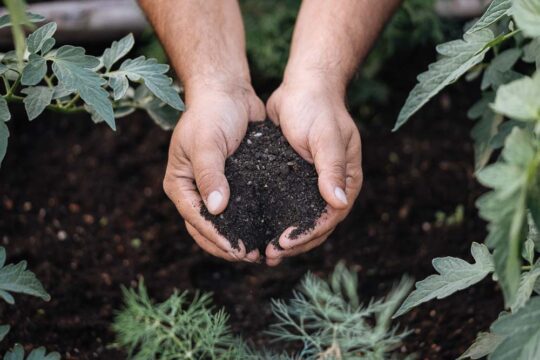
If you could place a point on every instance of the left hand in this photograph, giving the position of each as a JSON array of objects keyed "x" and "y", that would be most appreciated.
[{"x": 314, "y": 119}]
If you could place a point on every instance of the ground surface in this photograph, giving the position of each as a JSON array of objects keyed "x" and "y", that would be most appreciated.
[
  {"x": 86, "y": 208},
  {"x": 272, "y": 188}
]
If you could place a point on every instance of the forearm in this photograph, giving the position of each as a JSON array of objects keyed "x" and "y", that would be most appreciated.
[
  {"x": 331, "y": 38},
  {"x": 204, "y": 40}
]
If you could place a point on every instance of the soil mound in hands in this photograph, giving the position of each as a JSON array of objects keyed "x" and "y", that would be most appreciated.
[{"x": 272, "y": 188}]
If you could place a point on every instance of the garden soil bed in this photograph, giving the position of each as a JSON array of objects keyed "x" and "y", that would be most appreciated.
[{"x": 85, "y": 207}]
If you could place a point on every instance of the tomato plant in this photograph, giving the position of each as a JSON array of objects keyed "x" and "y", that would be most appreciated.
[
  {"x": 68, "y": 80},
  {"x": 507, "y": 157}
]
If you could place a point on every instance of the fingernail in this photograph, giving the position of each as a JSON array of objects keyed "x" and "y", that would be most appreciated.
[
  {"x": 340, "y": 195},
  {"x": 214, "y": 201}
]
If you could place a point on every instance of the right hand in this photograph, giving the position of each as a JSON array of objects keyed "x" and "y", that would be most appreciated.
[{"x": 210, "y": 130}]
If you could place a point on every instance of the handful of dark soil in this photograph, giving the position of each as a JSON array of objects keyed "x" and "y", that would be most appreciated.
[{"x": 272, "y": 188}]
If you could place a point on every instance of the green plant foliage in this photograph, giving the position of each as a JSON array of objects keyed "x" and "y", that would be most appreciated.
[
  {"x": 330, "y": 321},
  {"x": 521, "y": 333},
  {"x": 508, "y": 118},
  {"x": 16, "y": 279},
  {"x": 505, "y": 207},
  {"x": 454, "y": 275},
  {"x": 68, "y": 80},
  {"x": 458, "y": 57},
  {"x": 17, "y": 353},
  {"x": 178, "y": 328},
  {"x": 4, "y": 330},
  {"x": 527, "y": 16},
  {"x": 326, "y": 316}
]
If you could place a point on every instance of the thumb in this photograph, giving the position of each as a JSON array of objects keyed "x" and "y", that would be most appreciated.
[
  {"x": 208, "y": 168},
  {"x": 330, "y": 161}
]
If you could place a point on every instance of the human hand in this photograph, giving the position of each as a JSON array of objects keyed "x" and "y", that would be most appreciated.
[
  {"x": 210, "y": 131},
  {"x": 313, "y": 117}
]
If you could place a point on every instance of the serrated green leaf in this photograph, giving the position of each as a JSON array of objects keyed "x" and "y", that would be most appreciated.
[
  {"x": 120, "y": 85},
  {"x": 526, "y": 287},
  {"x": 505, "y": 208},
  {"x": 3, "y": 68},
  {"x": 531, "y": 52},
  {"x": 534, "y": 234},
  {"x": 16, "y": 279},
  {"x": 528, "y": 250},
  {"x": 17, "y": 353},
  {"x": 118, "y": 50},
  {"x": 498, "y": 71},
  {"x": 459, "y": 56},
  {"x": 4, "y": 330},
  {"x": 496, "y": 10},
  {"x": 61, "y": 91},
  {"x": 527, "y": 16},
  {"x": 73, "y": 67},
  {"x": 154, "y": 78},
  {"x": 484, "y": 345},
  {"x": 519, "y": 99},
  {"x": 162, "y": 114},
  {"x": 34, "y": 71},
  {"x": 4, "y": 135},
  {"x": 37, "y": 99},
  {"x": 37, "y": 39},
  {"x": 454, "y": 275},
  {"x": 521, "y": 331}
]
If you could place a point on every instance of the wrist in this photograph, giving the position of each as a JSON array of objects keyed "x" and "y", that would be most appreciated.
[
  {"x": 316, "y": 79},
  {"x": 220, "y": 84}
]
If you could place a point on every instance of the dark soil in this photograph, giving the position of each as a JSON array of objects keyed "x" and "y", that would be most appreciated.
[
  {"x": 85, "y": 207},
  {"x": 272, "y": 188}
]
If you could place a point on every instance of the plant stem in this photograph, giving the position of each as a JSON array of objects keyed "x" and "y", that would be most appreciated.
[
  {"x": 14, "y": 87},
  {"x": 72, "y": 101}
]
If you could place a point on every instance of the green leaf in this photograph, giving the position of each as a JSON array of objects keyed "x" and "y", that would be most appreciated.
[
  {"x": 34, "y": 71},
  {"x": 73, "y": 67},
  {"x": 4, "y": 330},
  {"x": 47, "y": 46},
  {"x": 5, "y": 20},
  {"x": 4, "y": 135},
  {"x": 527, "y": 16},
  {"x": 485, "y": 129},
  {"x": 120, "y": 86},
  {"x": 162, "y": 114},
  {"x": 17, "y": 353},
  {"x": 505, "y": 208},
  {"x": 16, "y": 279},
  {"x": 521, "y": 331},
  {"x": 526, "y": 287},
  {"x": 484, "y": 345},
  {"x": 459, "y": 56},
  {"x": 153, "y": 76},
  {"x": 531, "y": 52},
  {"x": 3, "y": 68},
  {"x": 5, "y": 115},
  {"x": 496, "y": 10},
  {"x": 498, "y": 71},
  {"x": 37, "y": 39},
  {"x": 118, "y": 50},
  {"x": 519, "y": 99},
  {"x": 37, "y": 100},
  {"x": 533, "y": 235},
  {"x": 455, "y": 275}
]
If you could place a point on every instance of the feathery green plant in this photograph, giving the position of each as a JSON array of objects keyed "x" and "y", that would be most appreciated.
[
  {"x": 326, "y": 316},
  {"x": 507, "y": 125}
]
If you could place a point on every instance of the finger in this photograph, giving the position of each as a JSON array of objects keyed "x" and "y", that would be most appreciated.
[
  {"x": 253, "y": 256},
  {"x": 272, "y": 108},
  {"x": 185, "y": 196},
  {"x": 273, "y": 253},
  {"x": 209, "y": 246},
  {"x": 273, "y": 262},
  {"x": 208, "y": 161},
  {"x": 326, "y": 223},
  {"x": 329, "y": 156}
]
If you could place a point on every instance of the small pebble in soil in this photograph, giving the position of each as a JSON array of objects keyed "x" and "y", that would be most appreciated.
[{"x": 272, "y": 188}]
